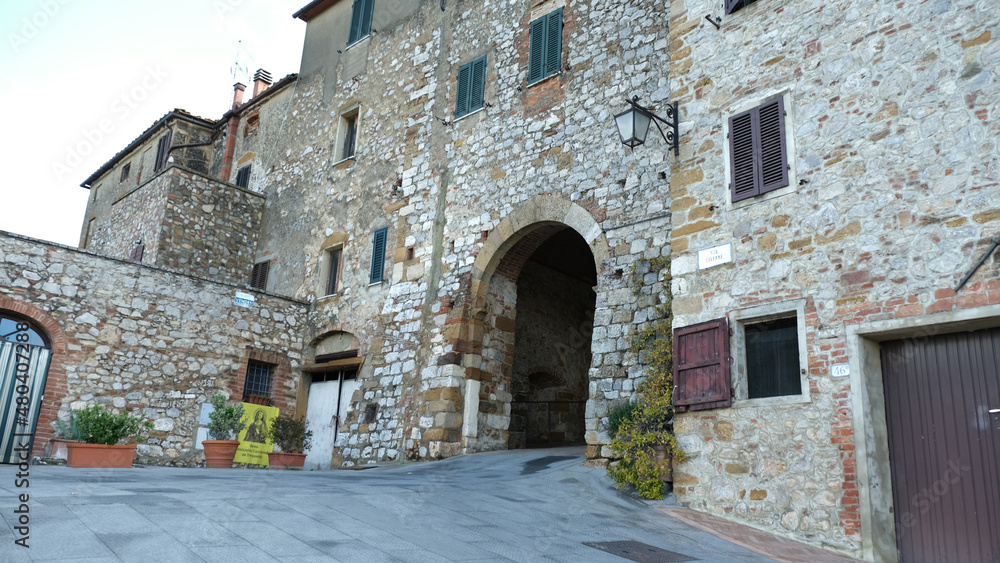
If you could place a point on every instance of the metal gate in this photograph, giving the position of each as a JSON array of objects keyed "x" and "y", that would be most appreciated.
[
  {"x": 942, "y": 404},
  {"x": 23, "y": 369}
]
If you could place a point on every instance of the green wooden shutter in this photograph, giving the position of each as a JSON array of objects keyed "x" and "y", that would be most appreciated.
[
  {"x": 366, "y": 18},
  {"x": 478, "y": 78},
  {"x": 462, "y": 97},
  {"x": 553, "y": 42},
  {"x": 378, "y": 256},
  {"x": 536, "y": 54},
  {"x": 357, "y": 11}
]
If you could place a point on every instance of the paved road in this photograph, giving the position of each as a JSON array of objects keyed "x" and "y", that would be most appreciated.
[{"x": 534, "y": 505}]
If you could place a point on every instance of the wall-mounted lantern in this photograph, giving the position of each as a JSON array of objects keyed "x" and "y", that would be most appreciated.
[{"x": 633, "y": 125}]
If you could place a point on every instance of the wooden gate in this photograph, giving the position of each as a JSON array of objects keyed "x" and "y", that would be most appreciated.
[
  {"x": 23, "y": 368},
  {"x": 942, "y": 403}
]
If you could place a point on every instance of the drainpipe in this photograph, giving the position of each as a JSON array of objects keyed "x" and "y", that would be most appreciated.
[{"x": 234, "y": 122}]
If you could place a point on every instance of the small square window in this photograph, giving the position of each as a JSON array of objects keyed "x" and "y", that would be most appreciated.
[
  {"x": 125, "y": 172},
  {"x": 258, "y": 380},
  {"x": 333, "y": 270},
  {"x": 772, "y": 358},
  {"x": 243, "y": 177}
]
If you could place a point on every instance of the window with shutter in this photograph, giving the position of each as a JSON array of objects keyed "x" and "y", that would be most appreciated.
[
  {"x": 243, "y": 176},
  {"x": 733, "y": 5},
  {"x": 701, "y": 366},
  {"x": 333, "y": 272},
  {"x": 125, "y": 172},
  {"x": 361, "y": 20},
  {"x": 161, "y": 152},
  {"x": 258, "y": 278},
  {"x": 545, "y": 51},
  {"x": 378, "y": 255},
  {"x": 758, "y": 150},
  {"x": 471, "y": 84},
  {"x": 137, "y": 252}
]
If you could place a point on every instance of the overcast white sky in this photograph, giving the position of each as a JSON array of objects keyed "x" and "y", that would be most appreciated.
[{"x": 66, "y": 66}]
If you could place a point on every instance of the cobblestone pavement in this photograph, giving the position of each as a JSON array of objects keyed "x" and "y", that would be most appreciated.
[{"x": 527, "y": 505}]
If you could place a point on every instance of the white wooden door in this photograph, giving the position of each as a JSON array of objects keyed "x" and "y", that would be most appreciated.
[{"x": 321, "y": 413}]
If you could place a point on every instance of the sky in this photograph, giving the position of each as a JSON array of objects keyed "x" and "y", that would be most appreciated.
[{"x": 80, "y": 80}]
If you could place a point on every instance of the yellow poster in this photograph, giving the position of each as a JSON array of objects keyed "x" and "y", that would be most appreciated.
[{"x": 254, "y": 445}]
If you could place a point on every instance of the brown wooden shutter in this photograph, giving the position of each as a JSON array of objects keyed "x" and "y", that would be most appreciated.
[
  {"x": 137, "y": 252},
  {"x": 701, "y": 366},
  {"x": 771, "y": 131},
  {"x": 741, "y": 156}
]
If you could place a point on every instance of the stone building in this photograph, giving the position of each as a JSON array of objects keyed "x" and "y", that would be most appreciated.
[{"x": 447, "y": 248}]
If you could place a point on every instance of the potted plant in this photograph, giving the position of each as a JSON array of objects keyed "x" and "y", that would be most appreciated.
[
  {"x": 292, "y": 437},
  {"x": 224, "y": 425},
  {"x": 100, "y": 431},
  {"x": 69, "y": 432}
]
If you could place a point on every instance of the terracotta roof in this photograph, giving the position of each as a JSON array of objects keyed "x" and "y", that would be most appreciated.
[
  {"x": 175, "y": 113},
  {"x": 313, "y": 9}
]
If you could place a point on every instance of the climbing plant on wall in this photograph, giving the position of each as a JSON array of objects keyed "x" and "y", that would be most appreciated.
[{"x": 647, "y": 422}]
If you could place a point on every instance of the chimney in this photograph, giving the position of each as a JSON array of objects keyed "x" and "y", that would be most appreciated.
[
  {"x": 238, "y": 94},
  {"x": 261, "y": 81}
]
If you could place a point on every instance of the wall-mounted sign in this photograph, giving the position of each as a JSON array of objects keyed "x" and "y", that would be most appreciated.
[
  {"x": 840, "y": 370},
  {"x": 715, "y": 256},
  {"x": 244, "y": 300}
]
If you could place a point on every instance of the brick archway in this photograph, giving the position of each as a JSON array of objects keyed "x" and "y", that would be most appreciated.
[{"x": 55, "y": 384}]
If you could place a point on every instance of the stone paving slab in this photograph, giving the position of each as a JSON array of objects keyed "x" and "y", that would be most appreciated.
[{"x": 495, "y": 507}]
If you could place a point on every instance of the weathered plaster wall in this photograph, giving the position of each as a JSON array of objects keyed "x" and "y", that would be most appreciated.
[
  {"x": 894, "y": 171},
  {"x": 146, "y": 340}
]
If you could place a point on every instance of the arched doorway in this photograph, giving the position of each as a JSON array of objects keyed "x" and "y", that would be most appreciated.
[
  {"x": 554, "y": 323},
  {"x": 25, "y": 353}
]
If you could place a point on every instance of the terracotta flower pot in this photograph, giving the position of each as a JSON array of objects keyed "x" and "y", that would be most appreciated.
[
  {"x": 282, "y": 460},
  {"x": 220, "y": 453},
  {"x": 99, "y": 455}
]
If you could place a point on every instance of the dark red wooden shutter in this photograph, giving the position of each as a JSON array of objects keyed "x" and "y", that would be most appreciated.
[
  {"x": 741, "y": 155},
  {"x": 701, "y": 366},
  {"x": 773, "y": 160}
]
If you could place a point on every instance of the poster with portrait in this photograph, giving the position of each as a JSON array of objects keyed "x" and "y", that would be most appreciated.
[{"x": 254, "y": 445}]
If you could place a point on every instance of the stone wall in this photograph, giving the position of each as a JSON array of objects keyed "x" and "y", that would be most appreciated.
[
  {"x": 210, "y": 229},
  {"x": 893, "y": 197},
  {"x": 137, "y": 216},
  {"x": 142, "y": 339}
]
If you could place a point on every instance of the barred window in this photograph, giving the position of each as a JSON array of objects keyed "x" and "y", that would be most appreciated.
[{"x": 258, "y": 380}]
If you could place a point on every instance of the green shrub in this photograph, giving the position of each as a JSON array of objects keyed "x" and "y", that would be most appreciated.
[
  {"x": 70, "y": 430},
  {"x": 619, "y": 415},
  {"x": 289, "y": 434},
  {"x": 649, "y": 421},
  {"x": 226, "y": 421},
  {"x": 98, "y": 425}
]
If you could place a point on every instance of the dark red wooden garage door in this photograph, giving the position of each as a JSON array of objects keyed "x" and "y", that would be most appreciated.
[{"x": 944, "y": 445}]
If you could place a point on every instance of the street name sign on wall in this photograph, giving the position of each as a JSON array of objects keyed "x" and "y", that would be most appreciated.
[
  {"x": 244, "y": 300},
  {"x": 715, "y": 256}
]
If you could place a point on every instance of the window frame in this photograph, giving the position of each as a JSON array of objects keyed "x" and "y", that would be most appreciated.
[
  {"x": 791, "y": 186},
  {"x": 361, "y": 21},
  {"x": 271, "y": 374},
  {"x": 541, "y": 42},
  {"x": 126, "y": 170},
  {"x": 259, "y": 275},
  {"x": 379, "y": 246},
  {"x": 351, "y": 113},
  {"x": 467, "y": 99},
  {"x": 332, "y": 268},
  {"x": 162, "y": 152},
  {"x": 773, "y": 311},
  {"x": 243, "y": 176},
  {"x": 731, "y": 6}
]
